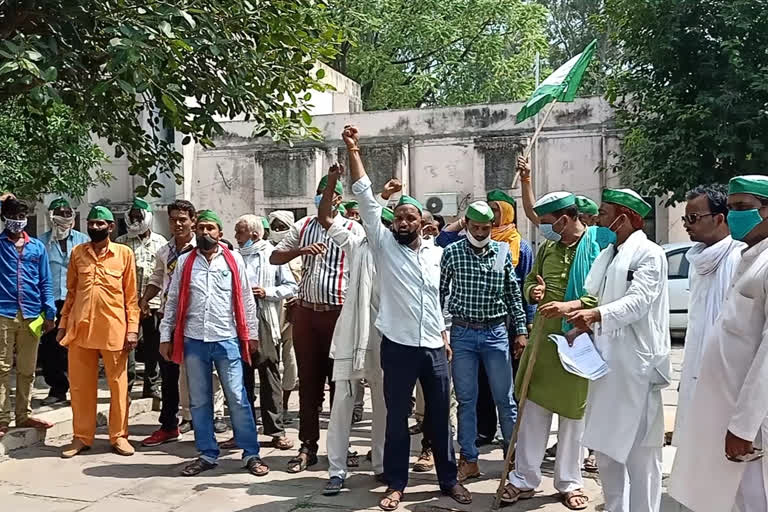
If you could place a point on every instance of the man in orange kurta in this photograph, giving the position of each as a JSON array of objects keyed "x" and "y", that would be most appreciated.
[{"x": 100, "y": 317}]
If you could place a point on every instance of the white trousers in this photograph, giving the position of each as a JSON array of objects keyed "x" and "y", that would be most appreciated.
[
  {"x": 751, "y": 496},
  {"x": 340, "y": 426},
  {"x": 636, "y": 485},
  {"x": 218, "y": 396},
  {"x": 536, "y": 423}
]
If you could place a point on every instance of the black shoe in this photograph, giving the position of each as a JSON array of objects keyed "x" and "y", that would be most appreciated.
[
  {"x": 220, "y": 426},
  {"x": 333, "y": 487},
  {"x": 53, "y": 400},
  {"x": 185, "y": 426}
]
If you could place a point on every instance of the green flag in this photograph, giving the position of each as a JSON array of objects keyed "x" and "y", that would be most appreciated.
[{"x": 560, "y": 85}]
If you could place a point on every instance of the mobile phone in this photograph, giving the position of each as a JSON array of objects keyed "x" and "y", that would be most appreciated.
[{"x": 749, "y": 457}]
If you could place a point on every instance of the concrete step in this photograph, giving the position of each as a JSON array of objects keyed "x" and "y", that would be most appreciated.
[{"x": 61, "y": 418}]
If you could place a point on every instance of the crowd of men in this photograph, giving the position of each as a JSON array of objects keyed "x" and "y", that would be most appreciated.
[{"x": 392, "y": 298}]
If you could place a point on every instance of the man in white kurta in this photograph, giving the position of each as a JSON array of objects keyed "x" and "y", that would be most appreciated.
[
  {"x": 355, "y": 347},
  {"x": 727, "y": 418},
  {"x": 625, "y": 417},
  {"x": 712, "y": 261}
]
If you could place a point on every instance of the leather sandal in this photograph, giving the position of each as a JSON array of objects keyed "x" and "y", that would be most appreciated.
[
  {"x": 460, "y": 494},
  {"x": 302, "y": 461},
  {"x": 196, "y": 467},
  {"x": 571, "y": 499},
  {"x": 512, "y": 494},
  {"x": 392, "y": 498},
  {"x": 257, "y": 467}
]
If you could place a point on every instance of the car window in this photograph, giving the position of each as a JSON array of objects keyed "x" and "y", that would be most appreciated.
[{"x": 678, "y": 265}]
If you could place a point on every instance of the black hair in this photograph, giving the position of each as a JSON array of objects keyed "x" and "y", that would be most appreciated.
[
  {"x": 184, "y": 206},
  {"x": 717, "y": 197},
  {"x": 13, "y": 207},
  {"x": 571, "y": 211},
  {"x": 440, "y": 221}
]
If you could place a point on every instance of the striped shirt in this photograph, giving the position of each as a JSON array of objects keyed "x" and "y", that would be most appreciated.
[{"x": 324, "y": 278}]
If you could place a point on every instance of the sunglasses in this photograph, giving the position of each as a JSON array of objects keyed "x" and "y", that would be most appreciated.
[{"x": 693, "y": 218}]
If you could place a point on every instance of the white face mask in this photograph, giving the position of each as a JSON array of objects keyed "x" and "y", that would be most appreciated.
[
  {"x": 136, "y": 229},
  {"x": 277, "y": 236},
  {"x": 62, "y": 226},
  {"x": 478, "y": 243}
]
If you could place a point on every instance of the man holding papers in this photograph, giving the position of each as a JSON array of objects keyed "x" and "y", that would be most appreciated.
[
  {"x": 625, "y": 419},
  {"x": 718, "y": 462},
  {"x": 556, "y": 283}
]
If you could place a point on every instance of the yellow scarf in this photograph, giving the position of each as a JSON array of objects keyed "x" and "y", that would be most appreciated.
[{"x": 506, "y": 231}]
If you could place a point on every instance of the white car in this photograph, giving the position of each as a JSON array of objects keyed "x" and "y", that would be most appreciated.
[{"x": 679, "y": 288}]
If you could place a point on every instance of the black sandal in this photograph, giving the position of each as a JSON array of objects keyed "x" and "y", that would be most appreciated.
[
  {"x": 299, "y": 463},
  {"x": 460, "y": 494},
  {"x": 196, "y": 467},
  {"x": 353, "y": 461},
  {"x": 257, "y": 467}
]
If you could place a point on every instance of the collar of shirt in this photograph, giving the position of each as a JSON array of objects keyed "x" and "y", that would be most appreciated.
[
  {"x": 110, "y": 249},
  {"x": 4, "y": 236}
]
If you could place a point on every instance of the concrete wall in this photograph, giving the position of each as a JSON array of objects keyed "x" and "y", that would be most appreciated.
[{"x": 461, "y": 150}]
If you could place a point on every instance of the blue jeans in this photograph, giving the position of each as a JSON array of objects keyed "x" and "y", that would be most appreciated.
[
  {"x": 199, "y": 358},
  {"x": 470, "y": 347}
]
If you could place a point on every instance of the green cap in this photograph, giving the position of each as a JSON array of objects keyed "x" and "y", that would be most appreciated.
[
  {"x": 754, "y": 184},
  {"x": 629, "y": 198},
  {"x": 341, "y": 209},
  {"x": 553, "y": 202},
  {"x": 140, "y": 204},
  {"x": 586, "y": 205},
  {"x": 59, "y": 202},
  {"x": 404, "y": 199},
  {"x": 479, "y": 211},
  {"x": 351, "y": 205},
  {"x": 387, "y": 214},
  {"x": 101, "y": 213},
  {"x": 265, "y": 223},
  {"x": 339, "y": 189},
  {"x": 209, "y": 216},
  {"x": 500, "y": 195}
]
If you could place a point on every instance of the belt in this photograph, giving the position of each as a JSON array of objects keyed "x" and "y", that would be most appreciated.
[
  {"x": 319, "y": 307},
  {"x": 479, "y": 325}
]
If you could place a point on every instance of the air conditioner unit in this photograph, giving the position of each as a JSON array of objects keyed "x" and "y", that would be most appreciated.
[{"x": 446, "y": 204}]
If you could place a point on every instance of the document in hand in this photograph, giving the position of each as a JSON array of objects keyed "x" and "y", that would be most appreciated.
[{"x": 582, "y": 358}]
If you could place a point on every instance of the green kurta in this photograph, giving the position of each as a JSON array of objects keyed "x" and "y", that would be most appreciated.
[{"x": 551, "y": 386}]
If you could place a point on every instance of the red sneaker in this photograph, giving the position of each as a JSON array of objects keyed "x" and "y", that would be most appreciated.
[{"x": 161, "y": 436}]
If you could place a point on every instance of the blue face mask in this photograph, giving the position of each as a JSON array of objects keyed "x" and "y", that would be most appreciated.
[
  {"x": 604, "y": 237},
  {"x": 318, "y": 198},
  {"x": 247, "y": 244},
  {"x": 742, "y": 222},
  {"x": 548, "y": 232}
]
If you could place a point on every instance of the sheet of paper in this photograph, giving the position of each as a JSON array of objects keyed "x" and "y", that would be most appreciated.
[
  {"x": 36, "y": 326},
  {"x": 582, "y": 358}
]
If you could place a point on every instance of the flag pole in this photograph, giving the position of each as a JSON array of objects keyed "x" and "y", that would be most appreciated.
[
  {"x": 528, "y": 149},
  {"x": 520, "y": 411}
]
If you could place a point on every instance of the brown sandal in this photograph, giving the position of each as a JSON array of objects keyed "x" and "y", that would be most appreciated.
[
  {"x": 460, "y": 494},
  {"x": 282, "y": 443},
  {"x": 229, "y": 444},
  {"x": 569, "y": 497},
  {"x": 512, "y": 494},
  {"x": 590, "y": 464},
  {"x": 257, "y": 467},
  {"x": 392, "y": 502}
]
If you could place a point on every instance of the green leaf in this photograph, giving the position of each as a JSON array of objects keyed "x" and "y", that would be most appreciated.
[
  {"x": 306, "y": 117},
  {"x": 125, "y": 86},
  {"x": 50, "y": 74},
  {"x": 320, "y": 74},
  {"x": 141, "y": 191},
  {"x": 169, "y": 103},
  {"x": 165, "y": 28},
  {"x": 186, "y": 140},
  {"x": 8, "y": 67},
  {"x": 33, "y": 55},
  {"x": 189, "y": 18}
]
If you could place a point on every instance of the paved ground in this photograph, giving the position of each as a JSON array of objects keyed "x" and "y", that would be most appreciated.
[{"x": 36, "y": 479}]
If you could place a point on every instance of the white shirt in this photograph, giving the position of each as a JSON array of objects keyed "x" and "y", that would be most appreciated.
[
  {"x": 324, "y": 278},
  {"x": 165, "y": 264},
  {"x": 211, "y": 311},
  {"x": 731, "y": 394},
  {"x": 409, "y": 311}
]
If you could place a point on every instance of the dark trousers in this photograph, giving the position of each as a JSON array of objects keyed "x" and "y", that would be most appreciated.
[
  {"x": 402, "y": 365},
  {"x": 149, "y": 350},
  {"x": 53, "y": 360},
  {"x": 270, "y": 393},
  {"x": 312, "y": 333},
  {"x": 169, "y": 392},
  {"x": 487, "y": 420}
]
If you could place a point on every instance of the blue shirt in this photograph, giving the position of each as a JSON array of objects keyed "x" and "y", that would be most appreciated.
[
  {"x": 25, "y": 279},
  {"x": 522, "y": 269},
  {"x": 60, "y": 261}
]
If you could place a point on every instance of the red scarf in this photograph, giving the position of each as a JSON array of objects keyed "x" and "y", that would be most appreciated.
[{"x": 183, "y": 305}]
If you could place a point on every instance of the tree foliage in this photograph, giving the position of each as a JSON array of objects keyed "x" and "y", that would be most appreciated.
[
  {"x": 47, "y": 152},
  {"x": 691, "y": 91},
  {"x": 409, "y": 54},
  {"x": 188, "y": 63}
]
